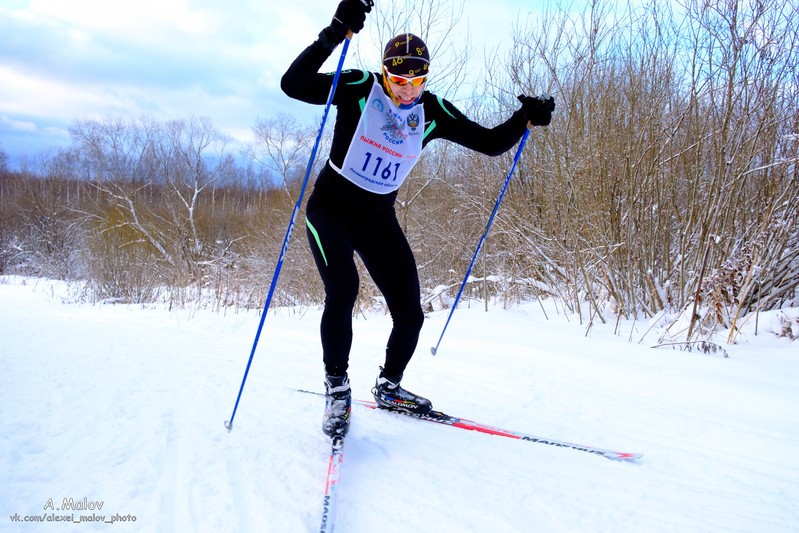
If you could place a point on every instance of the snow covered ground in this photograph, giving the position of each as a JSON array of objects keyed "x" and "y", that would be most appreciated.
[{"x": 121, "y": 410}]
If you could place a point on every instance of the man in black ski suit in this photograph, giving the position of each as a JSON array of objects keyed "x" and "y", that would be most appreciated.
[{"x": 384, "y": 119}]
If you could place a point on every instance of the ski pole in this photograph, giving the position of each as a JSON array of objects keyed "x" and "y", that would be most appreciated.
[
  {"x": 434, "y": 349},
  {"x": 284, "y": 248}
]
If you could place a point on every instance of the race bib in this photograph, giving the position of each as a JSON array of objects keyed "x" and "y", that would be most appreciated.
[{"x": 386, "y": 144}]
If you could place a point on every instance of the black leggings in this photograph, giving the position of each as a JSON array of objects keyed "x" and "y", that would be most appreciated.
[{"x": 335, "y": 235}]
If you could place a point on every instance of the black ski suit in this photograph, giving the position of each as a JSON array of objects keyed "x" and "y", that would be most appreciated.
[{"x": 343, "y": 219}]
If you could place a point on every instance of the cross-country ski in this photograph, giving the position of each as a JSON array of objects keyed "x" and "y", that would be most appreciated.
[{"x": 438, "y": 417}]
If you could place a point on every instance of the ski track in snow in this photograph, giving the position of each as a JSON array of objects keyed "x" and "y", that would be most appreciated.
[{"x": 126, "y": 406}]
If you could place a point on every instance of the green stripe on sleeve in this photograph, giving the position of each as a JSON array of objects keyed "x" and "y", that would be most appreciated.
[
  {"x": 430, "y": 127},
  {"x": 441, "y": 103},
  {"x": 358, "y": 82}
]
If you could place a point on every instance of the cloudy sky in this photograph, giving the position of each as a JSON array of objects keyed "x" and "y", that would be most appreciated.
[{"x": 170, "y": 59}]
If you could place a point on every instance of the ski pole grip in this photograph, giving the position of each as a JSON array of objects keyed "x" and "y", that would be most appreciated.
[{"x": 369, "y": 4}]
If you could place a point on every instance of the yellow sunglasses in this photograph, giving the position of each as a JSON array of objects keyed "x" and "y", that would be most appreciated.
[{"x": 402, "y": 80}]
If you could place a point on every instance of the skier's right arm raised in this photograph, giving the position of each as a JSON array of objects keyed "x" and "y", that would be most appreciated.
[{"x": 302, "y": 81}]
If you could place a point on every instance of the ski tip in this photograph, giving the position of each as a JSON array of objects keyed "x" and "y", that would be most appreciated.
[{"x": 622, "y": 456}]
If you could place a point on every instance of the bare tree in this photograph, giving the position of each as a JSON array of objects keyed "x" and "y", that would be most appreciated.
[
  {"x": 152, "y": 178},
  {"x": 669, "y": 157},
  {"x": 283, "y": 146},
  {"x": 3, "y": 161}
]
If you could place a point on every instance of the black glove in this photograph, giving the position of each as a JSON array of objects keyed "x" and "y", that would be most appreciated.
[
  {"x": 538, "y": 109},
  {"x": 350, "y": 15}
]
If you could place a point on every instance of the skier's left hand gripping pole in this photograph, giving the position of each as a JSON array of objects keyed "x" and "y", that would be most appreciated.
[{"x": 292, "y": 221}]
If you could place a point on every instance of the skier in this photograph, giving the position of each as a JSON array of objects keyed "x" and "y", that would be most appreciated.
[{"x": 384, "y": 119}]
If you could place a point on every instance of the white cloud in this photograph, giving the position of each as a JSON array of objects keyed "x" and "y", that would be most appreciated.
[
  {"x": 35, "y": 96},
  {"x": 18, "y": 125},
  {"x": 170, "y": 59},
  {"x": 122, "y": 15}
]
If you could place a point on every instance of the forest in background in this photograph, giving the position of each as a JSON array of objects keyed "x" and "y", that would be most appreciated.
[{"x": 667, "y": 183}]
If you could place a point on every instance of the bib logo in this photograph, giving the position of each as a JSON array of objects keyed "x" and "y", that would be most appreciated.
[
  {"x": 378, "y": 104},
  {"x": 413, "y": 121},
  {"x": 393, "y": 128}
]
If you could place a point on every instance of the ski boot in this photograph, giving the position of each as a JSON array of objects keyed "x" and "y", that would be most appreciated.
[
  {"x": 389, "y": 394},
  {"x": 337, "y": 409}
]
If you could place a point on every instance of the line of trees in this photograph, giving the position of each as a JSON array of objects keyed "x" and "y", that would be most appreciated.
[{"x": 666, "y": 184}]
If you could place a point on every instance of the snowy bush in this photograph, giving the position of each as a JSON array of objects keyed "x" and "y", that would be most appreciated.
[{"x": 661, "y": 188}]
